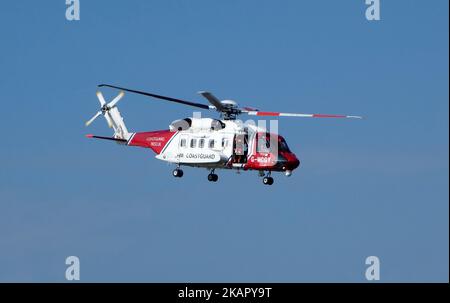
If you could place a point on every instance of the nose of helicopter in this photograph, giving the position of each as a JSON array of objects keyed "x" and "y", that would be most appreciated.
[{"x": 293, "y": 162}]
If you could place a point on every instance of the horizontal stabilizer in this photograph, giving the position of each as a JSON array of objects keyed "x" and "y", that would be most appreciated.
[{"x": 107, "y": 138}]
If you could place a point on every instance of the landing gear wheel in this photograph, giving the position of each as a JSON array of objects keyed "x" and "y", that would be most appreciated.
[
  {"x": 268, "y": 180},
  {"x": 213, "y": 178},
  {"x": 177, "y": 173}
]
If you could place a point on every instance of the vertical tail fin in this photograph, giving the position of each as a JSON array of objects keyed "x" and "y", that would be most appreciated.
[{"x": 115, "y": 120}]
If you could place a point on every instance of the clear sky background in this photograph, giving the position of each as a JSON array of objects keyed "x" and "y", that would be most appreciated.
[{"x": 378, "y": 186}]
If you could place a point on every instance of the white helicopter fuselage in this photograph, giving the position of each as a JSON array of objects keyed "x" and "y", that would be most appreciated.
[{"x": 217, "y": 144}]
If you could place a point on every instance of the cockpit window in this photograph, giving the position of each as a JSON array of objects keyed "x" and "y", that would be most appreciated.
[
  {"x": 263, "y": 145},
  {"x": 282, "y": 145}
]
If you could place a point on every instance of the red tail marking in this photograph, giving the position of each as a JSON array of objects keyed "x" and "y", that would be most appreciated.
[{"x": 155, "y": 140}]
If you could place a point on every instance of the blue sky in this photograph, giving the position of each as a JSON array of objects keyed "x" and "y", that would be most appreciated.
[{"x": 373, "y": 187}]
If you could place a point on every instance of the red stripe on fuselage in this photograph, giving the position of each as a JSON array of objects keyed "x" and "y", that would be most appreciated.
[{"x": 155, "y": 140}]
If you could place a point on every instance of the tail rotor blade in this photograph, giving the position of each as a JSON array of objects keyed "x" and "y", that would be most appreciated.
[
  {"x": 93, "y": 118},
  {"x": 101, "y": 98},
  {"x": 116, "y": 99}
]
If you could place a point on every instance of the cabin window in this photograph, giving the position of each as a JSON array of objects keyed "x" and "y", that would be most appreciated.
[
  {"x": 183, "y": 143},
  {"x": 224, "y": 142},
  {"x": 211, "y": 143},
  {"x": 193, "y": 143},
  {"x": 201, "y": 143}
]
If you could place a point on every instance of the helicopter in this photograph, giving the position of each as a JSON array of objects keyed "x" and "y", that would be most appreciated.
[{"x": 224, "y": 143}]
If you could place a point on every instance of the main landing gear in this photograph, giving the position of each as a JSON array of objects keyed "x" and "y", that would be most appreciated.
[
  {"x": 268, "y": 180},
  {"x": 212, "y": 177},
  {"x": 177, "y": 173}
]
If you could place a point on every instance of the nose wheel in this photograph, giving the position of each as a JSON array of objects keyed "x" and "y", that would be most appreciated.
[{"x": 177, "y": 173}]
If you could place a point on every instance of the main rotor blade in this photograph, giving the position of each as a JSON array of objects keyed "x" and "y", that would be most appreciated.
[
  {"x": 203, "y": 106},
  {"x": 116, "y": 99},
  {"x": 213, "y": 100},
  {"x": 276, "y": 114},
  {"x": 93, "y": 118}
]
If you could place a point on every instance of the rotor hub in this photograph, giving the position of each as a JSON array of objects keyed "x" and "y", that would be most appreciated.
[{"x": 230, "y": 109}]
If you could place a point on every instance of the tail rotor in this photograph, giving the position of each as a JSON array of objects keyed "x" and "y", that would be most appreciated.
[
  {"x": 112, "y": 115},
  {"x": 105, "y": 108}
]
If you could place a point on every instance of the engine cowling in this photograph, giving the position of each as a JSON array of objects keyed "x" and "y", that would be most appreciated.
[
  {"x": 197, "y": 124},
  {"x": 181, "y": 124}
]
